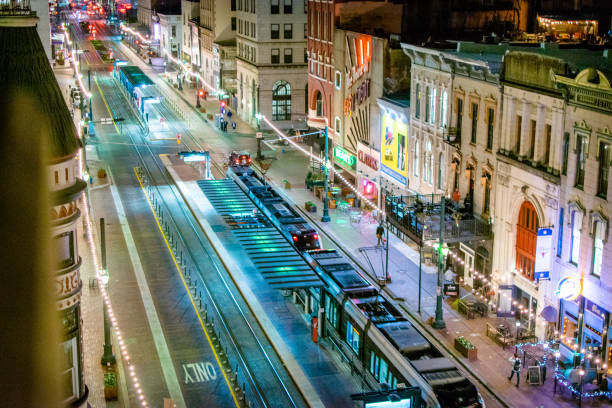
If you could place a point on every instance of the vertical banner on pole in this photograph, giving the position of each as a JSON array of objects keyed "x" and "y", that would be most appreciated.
[{"x": 543, "y": 254}]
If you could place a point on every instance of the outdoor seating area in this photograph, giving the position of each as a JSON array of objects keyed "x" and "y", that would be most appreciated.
[
  {"x": 499, "y": 335},
  {"x": 470, "y": 307}
]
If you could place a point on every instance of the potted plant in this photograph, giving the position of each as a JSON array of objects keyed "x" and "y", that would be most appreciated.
[
  {"x": 110, "y": 386},
  {"x": 308, "y": 205},
  {"x": 286, "y": 184},
  {"x": 466, "y": 348}
]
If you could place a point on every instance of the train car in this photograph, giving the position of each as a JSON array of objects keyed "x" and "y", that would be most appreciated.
[
  {"x": 372, "y": 331},
  {"x": 281, "y": 213}
]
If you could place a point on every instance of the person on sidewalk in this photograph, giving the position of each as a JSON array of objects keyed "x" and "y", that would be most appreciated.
[
  {"x": 234, "y": 125},
  {"x": 379, "y": 233},
  {"x": 516, "y": 368}
]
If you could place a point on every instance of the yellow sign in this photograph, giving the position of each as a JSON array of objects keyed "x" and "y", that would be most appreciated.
[{"x": 394, "y": 146}]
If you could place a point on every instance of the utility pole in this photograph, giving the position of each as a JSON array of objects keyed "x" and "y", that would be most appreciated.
[
  {"x": 420, "y": 274},
  {"x": 107, "y": 357},
  {"x": 439, "y": 321},
  {"x": 258, "y": 119},
  {"x": 387, "y": 253},
  {"x": 326, "y": 217},
  {"x": 198, "y": 93}
]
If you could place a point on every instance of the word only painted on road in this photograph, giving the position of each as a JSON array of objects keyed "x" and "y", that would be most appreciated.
[{"x": 199, "y": 372}]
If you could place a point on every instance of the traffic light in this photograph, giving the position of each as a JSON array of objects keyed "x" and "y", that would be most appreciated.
[{"x": 201, "y": 93}]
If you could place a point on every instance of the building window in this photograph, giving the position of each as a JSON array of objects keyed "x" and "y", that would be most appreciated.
[
  {"x": 560, "y": 233},
  {"x": 253, "y": 30},
  {"x": 275, "y": 56},
  {"x": 547, "y": 144},
  {"x": 337, "y": 125},
  {"x": 532, "y": 140},
  {"x": 305, "y": 30},
  {"x": 490, "y": 125},
  {"x": 319, "y": 104},
  {"x": 253, "y": 6},
  {"x": 432, "y": 108},
  {"x": 64, "y": 248},
  {"x": 288, "y": 9},
  {"x": 233, "y": 5},
  {"x": 288, "y": 31},
  {"x": 275, "y": 31},
  {"x": 233, "y": 23},
  {"x": 415, "y": 159},
  {"x": 459, "y": 117},
  {"x": 288, "y": 55},
  {"x": 69, "y": 370},
  {"x": 66, "y": 172},
  {"x": 427, "y": 104},
  {"x": 337, "y": 80},
  {"x": 519, "y": 124},
  {"x": 440, "y": 170},
  {"x": 305, "y": 55},
  {"x": 352, "y": 337},
  {"x": 444, "y": 109},
  {"x": 281, "y": 101},
  {"x": 487, "y": 194},
  {"x": 417, "y": 107},
  {"x": 565, "y": 153},
  {"x": 56, "y": 177},
  {"x": 599, "y": 231},
  {"x": 580, "y": 160},
  {"x": 604, "y": 169},
  {"x": 576, "y": 225},
  {"x": 474, "y": 122},
  {"x": 173, "y": 31},
  {"x": 274, "y": 8}
]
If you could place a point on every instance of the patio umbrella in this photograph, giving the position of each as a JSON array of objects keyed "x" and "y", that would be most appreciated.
[{"x": 549, "y": 313}]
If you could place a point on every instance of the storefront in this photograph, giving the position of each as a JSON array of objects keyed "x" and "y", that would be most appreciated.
[
  {"x": 344, "y": 167},
  {"x": 368, "y": 177}
]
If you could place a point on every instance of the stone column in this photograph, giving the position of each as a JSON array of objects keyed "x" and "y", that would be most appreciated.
[
  {"x": 540, "y": 135},
  {"x": 507, "y": 123},
  {"x": 524, "y": 136}
]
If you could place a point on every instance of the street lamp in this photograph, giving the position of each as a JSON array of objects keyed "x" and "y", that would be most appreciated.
[
  {"x": 326, "y": 217},
  {"x": 442, "y": 252},
  {"x": 108, "y": 357},
  {"x": 258, "y": 117},
  {"x": 518, "y": 325}
]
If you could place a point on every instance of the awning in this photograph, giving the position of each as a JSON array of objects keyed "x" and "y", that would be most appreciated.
[{"x": 549, "y": 313}]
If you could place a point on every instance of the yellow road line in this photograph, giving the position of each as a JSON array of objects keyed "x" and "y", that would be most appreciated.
[
  {"x": 105, "y": 104},
  {"x": 178, "y": 268}
]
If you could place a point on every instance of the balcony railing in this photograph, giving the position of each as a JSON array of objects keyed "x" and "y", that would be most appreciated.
[
  {"x": 452, "y": 136},
  {"x": 15, "y": 8},
  {"x": 418, "y": 218}
]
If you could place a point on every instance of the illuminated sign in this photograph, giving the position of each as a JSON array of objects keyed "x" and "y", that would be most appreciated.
[
  {"x": 543, "y": 254},
  {"x": 356, "y": 98},
  {"x": 569, "y": 288},
  {"x": 394, "y": 140},
  {"x": 359, "y": 56},
  {"x": 345, "y": 158}
]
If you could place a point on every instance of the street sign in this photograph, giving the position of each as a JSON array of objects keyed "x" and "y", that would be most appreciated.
[
  {"x": 258, "y": 135},
  {"x": 451, "y": 289},
  {"x": 178, "y": 138}
]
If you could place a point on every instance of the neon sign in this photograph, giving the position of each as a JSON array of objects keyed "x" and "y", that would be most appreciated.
[
  {"x": 569, "y": 288},
  {"x": 345, "y": 157}
]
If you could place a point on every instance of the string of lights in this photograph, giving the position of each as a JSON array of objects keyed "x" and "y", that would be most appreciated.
[
  {"x": 75, "y": 64},
  {"x": 101, "y": 275}
]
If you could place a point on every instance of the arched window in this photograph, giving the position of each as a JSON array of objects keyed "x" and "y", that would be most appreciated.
[
  {"x": 443, "y": 109},
  {"x": 281, "y": 101},
  {"x": 526, "y": 237},
  {"x": 440, "y": 171},
  {"x": 319, "y": 104}
]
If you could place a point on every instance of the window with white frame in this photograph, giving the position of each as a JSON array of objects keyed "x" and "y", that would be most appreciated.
[
  {"x": 337, "y": 125},
  {"x": 440, "y": 170},
  {"x": 600, "y": 227},
  {"x": 338, "y": 79},
  {"x": 427, "y": 104},
  {"x": 443, "y": 108},
  {"x": 426, "y": 174},
  {"x": 576, "y": 226},
  {"x": 69, "y": 370}
]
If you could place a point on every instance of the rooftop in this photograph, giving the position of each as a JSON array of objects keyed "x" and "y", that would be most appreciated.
[{"x": 25, "y": 70}]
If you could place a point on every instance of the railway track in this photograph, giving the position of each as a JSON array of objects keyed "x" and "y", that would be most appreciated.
[{"x": 264, "y": 381}]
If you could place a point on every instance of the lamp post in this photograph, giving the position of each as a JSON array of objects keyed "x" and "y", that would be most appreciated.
[
  {"x": 439, "y": 321},
  {"x": 198, "y": 93},
  {"x": 258, "y": 120},
  {"x": 107, "y": 357},
  {"x": 518, "y": 326},
  {"x": 326, "y": 217},
  {"x": 581, "y": 372}
]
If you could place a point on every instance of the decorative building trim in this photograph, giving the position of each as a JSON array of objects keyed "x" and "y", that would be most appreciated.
[
  {"x": 598, "y": 216},
  {"x": 572, "y": 206}
]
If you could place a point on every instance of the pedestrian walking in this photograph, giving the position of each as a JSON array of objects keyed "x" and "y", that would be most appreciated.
[
  {"x": 516, "y": 368},
  {"x": 379, "y": 233},
  {"x": 234, "y": 125}
]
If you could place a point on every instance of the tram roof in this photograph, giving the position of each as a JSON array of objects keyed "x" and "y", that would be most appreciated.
[{"x": 136, "y": 77}]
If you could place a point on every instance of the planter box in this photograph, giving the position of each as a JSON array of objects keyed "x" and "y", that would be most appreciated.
[
  {"x": 470, "y": 354},
  {"x": 110, "y": 393},
  {"x": 313, "y": 208},
  {"x": 308, "y": 205}
]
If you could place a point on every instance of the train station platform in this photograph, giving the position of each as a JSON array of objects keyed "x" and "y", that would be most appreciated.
[{"x": 314, "y": 368}]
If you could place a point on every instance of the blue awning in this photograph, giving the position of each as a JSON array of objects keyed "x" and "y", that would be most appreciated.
[{"x": 549, "y": 313}]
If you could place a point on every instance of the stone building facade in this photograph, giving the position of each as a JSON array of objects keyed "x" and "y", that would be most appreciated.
[{"x": 271, "y": 61}]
